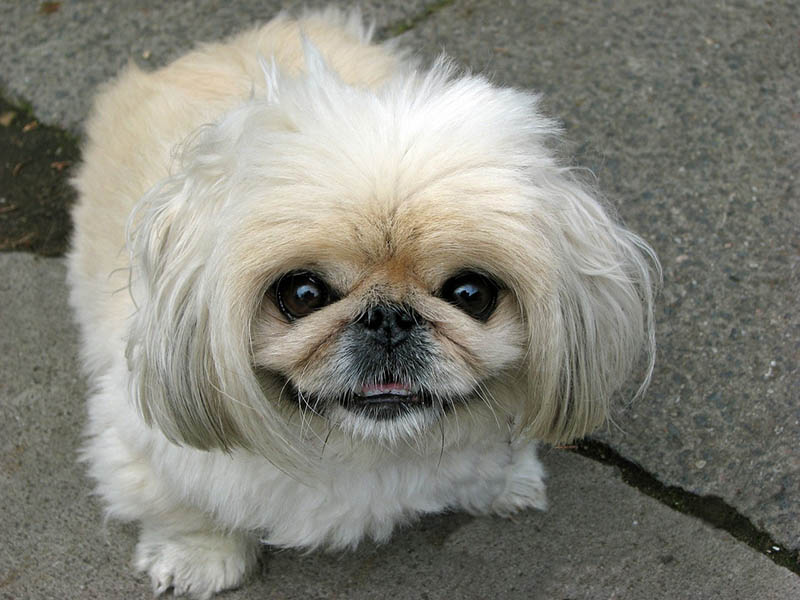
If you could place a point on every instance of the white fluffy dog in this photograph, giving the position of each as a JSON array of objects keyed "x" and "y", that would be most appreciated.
[{"x": 354, "y": 292}]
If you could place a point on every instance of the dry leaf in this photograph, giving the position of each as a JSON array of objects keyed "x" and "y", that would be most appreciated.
[
  {"x": 60, "y": 165},
  {"x": 48, "y": 8},
  {"x": 30, "y": 126},
  {"x": 25, "y": 240},
  {"x": 7, "y": 117}
]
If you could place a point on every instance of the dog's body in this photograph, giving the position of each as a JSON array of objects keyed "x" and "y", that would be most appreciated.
[{"x": 188, "y": 432}]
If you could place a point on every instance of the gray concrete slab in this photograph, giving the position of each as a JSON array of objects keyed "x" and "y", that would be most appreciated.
[
  {"x": 600, "y": 539},
  {"x": 54, "y": 58},
  {"x": 687, "y": 114}
]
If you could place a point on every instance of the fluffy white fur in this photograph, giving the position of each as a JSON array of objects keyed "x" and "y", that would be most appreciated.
[{"x": 286, "y": 146}]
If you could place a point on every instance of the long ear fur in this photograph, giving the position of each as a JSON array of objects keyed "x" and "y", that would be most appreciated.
[
  {"x": 585, "y": 341},
  {"x": 188, "y": 346},
  {"x": 175, "y": 377}
]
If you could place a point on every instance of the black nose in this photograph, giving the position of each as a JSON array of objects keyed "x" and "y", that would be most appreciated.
[{"x": 389, "y": 324}]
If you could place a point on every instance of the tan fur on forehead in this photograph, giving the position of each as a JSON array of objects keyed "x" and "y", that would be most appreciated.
[{"x": 424, "y": 240}]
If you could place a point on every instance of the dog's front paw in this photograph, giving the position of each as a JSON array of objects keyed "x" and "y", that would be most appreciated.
[
  {"x": 197, "y": 565},
  {"x": 525, "y": 486}
]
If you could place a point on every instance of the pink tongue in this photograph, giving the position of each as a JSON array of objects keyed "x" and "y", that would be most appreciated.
[{"x": 385, "y": 388}]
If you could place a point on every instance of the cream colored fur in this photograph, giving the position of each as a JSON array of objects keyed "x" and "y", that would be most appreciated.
[{"x": 301, "y": 144}]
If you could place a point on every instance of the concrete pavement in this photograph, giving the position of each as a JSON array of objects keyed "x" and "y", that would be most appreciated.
[{"x": 687, "y": 114}]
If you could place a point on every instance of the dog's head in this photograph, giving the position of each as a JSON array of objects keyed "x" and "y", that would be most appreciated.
[{"x": 377, "y": 262}]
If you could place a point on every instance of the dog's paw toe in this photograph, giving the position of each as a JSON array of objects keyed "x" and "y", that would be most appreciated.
[
  {"x": 520, "y": 497},
  {"x": 161, "y": 584},
  {"x": 196, "y": 565}
]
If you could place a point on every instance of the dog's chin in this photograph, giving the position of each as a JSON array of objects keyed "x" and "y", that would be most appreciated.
[{"x": 384, "y": 424}]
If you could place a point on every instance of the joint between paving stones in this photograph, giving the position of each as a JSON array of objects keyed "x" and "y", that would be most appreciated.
[
  {"x": 409, "y": 23},
  {"x": 712, "y": 510}
]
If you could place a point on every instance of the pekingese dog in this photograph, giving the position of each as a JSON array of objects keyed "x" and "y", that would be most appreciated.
[{"x": 355, "y": 291}]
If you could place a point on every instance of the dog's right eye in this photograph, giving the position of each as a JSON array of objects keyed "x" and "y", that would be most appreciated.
[
  {"x": 299, "y": 293},
  {"x": 473, "y": 293}
]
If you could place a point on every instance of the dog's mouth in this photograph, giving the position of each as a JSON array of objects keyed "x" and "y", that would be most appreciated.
[
  {"x": 383, "y": 401},
  {"x": 379, "y": 401},
  {"x": 387, "y": 393}
]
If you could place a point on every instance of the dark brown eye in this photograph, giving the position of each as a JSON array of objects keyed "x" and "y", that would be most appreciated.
[
  {"x": 473, "y": 293},
  {"x": 300, "y": 293}
]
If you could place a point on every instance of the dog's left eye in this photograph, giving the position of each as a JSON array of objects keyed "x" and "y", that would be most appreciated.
[{"x": 299, "y": 293}]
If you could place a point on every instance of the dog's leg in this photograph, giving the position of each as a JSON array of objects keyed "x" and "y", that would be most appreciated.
[
  {"x": 188, "y": 555},
  {"x": 180, "y": 546},
  {"x": 524, "y": 482}
]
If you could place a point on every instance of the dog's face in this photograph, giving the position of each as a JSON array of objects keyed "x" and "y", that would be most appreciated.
[
  {"x": 379, "y": 261},
  {"x": 396, "y": 311}
]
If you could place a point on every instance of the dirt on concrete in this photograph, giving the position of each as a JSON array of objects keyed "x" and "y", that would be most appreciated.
[{"x": 35, "y": 195}]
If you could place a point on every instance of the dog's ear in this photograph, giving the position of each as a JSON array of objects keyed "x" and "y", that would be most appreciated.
[
  {"x": 189, "y": 340},
  {"x": 176, "y": 376},
  {"x": 586, "y": 338}
]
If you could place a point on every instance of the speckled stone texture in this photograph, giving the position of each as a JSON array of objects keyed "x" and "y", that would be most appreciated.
[{"x": 688, "y": 115}]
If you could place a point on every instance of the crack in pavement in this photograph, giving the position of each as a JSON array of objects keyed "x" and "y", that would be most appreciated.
[
  {"x": 712, "y": 510},
  {"x": 409, "y": 23}
]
